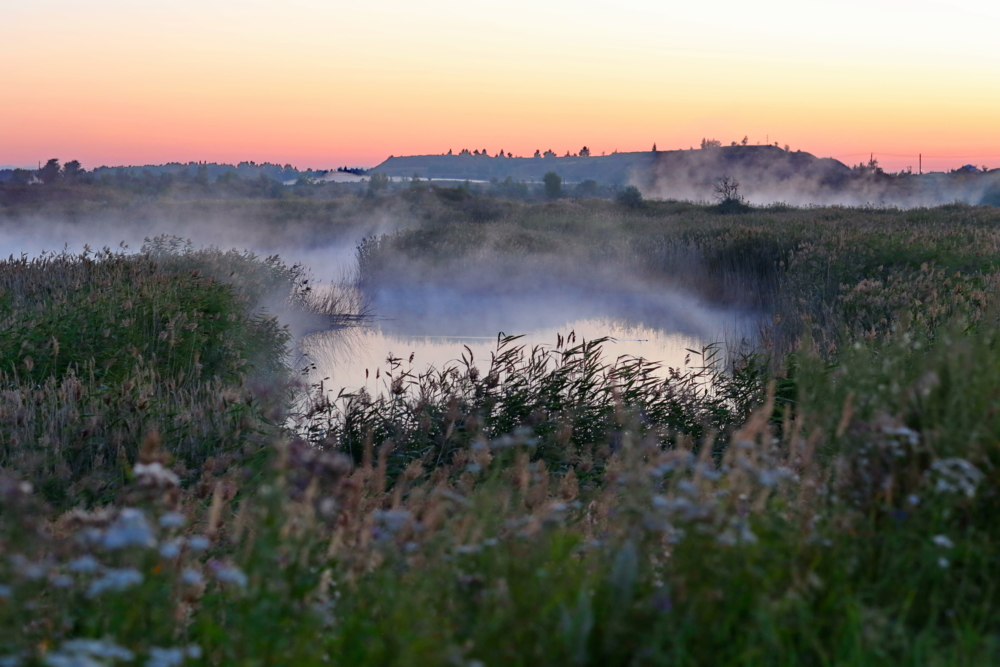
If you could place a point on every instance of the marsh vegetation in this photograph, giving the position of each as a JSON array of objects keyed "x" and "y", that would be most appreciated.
[{"x": 175, "y": 490}]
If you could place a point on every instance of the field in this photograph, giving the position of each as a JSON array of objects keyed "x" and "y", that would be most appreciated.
[{"x": 172, "y": 491}]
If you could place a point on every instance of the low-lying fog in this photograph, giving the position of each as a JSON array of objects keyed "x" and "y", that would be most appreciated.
[
  {"x": 453, "y": 321},
  {"x": 433, "y": 320}
]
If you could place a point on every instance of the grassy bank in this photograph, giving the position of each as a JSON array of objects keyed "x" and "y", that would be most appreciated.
[{"x": 833, "y": 506}]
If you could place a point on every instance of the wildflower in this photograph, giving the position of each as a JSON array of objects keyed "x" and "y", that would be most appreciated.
[
  {"x": 129, "y": 529},
  {"x": 155, "y": 476},
  {"x": 392, "y": 520},
  {"x": 957, "y": 476},
  {"x": 228, "y": 574},
  {"x": 943, "y": 541},
  {"x": 27, "y": 569},
  {"x": 171, "y": 657},
  {"x": 191, "y": 577},
  {"x": 87, "y": 653},
  {"x": 171, "y": 549},
  {"x": 913, "y": 499},
  {"x": 943, "y": 563},
  {"x": 115, "y": 580},
  {"x": 197, "y": 543},
  {"x": 83, "y": 565},
  {"x": 172, "y": 520}
]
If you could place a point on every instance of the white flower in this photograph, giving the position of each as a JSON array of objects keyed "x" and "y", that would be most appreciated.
[
  {"x": 956, "y": 475},
  {"x": 171, "y": 549},
  {"x": 129, "y": 529},
  {"x": 83, "y": 565},
  {"x": 943, "y": 541},
  {"x": 228, "y": 574},
  {"x": 87, "y": 653},
  {"x": 172, "y": 520},
  {"x": 943, "y": 563},
  {"x": 197, "y": 543},
  {"x": 191, "y": 577},
  {"x": 171, "y": 657},
  {"x": 155, "y": 475},
  {"x": 115, "y": 580}
]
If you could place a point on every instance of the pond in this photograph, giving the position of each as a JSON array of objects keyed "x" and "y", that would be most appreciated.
[{"x": 433, "y": 327}]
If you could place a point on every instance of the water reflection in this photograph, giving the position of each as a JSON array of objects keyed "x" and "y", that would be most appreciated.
[{"x": 350, "y": 359}]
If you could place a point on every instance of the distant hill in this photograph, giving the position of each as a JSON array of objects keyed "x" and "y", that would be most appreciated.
[
  {"x": 766, "y": 174},
  {"x": 614, "y": 169}
]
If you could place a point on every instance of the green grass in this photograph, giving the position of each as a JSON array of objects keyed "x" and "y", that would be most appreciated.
[{"x": 829, "y": 501}]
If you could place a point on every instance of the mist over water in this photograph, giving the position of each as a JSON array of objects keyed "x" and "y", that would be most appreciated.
[
  {"x": 428, "y": 325},
  {"x": 427, "y": 310}
]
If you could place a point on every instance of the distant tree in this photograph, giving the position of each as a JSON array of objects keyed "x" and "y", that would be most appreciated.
[
  {"x": 733, "y": 144},
  {"x": 201, "y": 176},
  {"x": 727, "y": 189},
  {"x": 549, "y": 153},
  {"x": 51, "y": 172},
  {"x": 377, "y": 182},
  {"x": 710, "y": 143},
  {"x": 629, "y": 197},
  {"x": 727, "y": 194},
  {"x": 584, "y": 152},
  {"x": 449, "y": 151},
  {"x": 509, "y": 154},
  {"x": 72, "y": 170},
  {"x": 787, "y": 149},
  {"x": 465, "y": 151},
  {"x": 553, "y": 185},
  {"x": 745, "y": 141},
  {"x": 538, "y": 153},
  {"x": 21, "y": 177},
  {"x": 475, "y": 152},
  {"x": 654, "y": 147}
]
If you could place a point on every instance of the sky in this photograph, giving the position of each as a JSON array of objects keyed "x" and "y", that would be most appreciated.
[{"x": 329, "y": 83}]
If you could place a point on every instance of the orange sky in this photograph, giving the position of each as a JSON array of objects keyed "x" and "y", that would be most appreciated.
[{"x": 321, "y": 84}]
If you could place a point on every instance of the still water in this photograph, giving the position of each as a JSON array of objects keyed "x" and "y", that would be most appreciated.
[{"x": 435, "y": 329}]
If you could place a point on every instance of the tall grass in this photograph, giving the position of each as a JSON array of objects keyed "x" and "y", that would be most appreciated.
[{"x": 558, "y": 508}]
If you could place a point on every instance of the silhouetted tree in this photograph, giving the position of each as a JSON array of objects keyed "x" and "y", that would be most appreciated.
[
  {"x": 584, "y": 152},
  {"x": 51, "y": 172},
  {"x": 710, "y": 143},
  {"x": 745, "y": 141},
  {"x": 538, "y": 153},
  {"x": 553, "y": 185},
  {"x": 72, "y": 170},
  {"x": 549, "y": 153},
  {"x": 20, "y": 177}
]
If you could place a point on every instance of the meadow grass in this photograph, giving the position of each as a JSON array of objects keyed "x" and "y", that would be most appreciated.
[{"x": 828, "y": 501}]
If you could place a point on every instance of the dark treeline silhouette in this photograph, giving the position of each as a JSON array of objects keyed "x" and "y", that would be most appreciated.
[{"x": 73, "y": 172}]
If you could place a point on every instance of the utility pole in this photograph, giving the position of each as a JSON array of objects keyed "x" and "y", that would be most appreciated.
[{"x": 921, "y": 163}]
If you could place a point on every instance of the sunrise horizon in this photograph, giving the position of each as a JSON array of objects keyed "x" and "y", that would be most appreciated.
[{"x": 320, "y": 86}]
